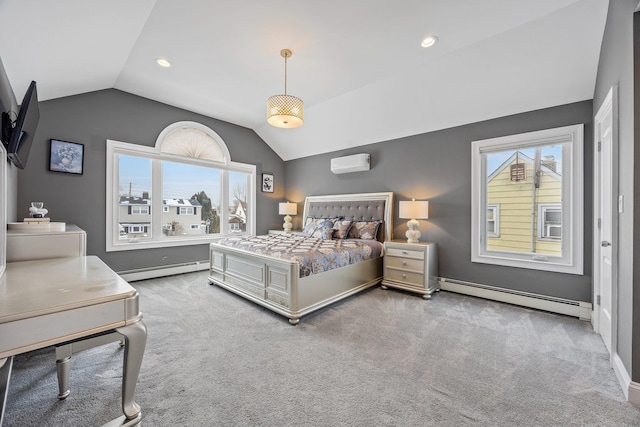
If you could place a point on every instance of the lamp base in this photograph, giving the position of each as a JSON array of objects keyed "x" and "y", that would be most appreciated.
[
  {"x": 287, "y": 226},
  {"x": 413, "y": 234}
]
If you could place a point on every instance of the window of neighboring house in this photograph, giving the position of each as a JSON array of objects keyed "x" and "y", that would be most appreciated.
[
  {"x": 186, "y": 210},
  {"x": 187, "y": 175},
  {"x": 139, "y": 210},
  {"x": 493, "y": 221},
  {"x": 137, "y": 229},
  {"x": 536, "y": 181},
  {"x": 550, "y": 222},
  {"x": 234, "y": 226}
]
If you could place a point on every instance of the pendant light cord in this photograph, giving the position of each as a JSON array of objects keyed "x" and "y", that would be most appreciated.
[{"x": 285, "y": 74}]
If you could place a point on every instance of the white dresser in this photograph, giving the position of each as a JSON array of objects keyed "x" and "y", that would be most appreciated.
[{"x": 25, "y": 245}]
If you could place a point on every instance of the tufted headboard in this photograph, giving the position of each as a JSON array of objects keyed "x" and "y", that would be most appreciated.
[{"x": 355, "y": 207}]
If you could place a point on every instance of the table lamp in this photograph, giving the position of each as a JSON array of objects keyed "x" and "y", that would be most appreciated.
[
  {"x": 287, "y": 209},
  {"x": 414, "y": 210}
]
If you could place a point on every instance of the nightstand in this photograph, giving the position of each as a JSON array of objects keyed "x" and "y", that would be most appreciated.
[{"x": 411, "y": 266}]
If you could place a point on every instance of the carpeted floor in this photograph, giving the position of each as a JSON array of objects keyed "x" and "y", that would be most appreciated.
[{"x": 380, "y": 358}]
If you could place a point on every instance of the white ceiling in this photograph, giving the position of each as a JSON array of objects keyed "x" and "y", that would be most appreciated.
[{"x": 357, "y": 64}]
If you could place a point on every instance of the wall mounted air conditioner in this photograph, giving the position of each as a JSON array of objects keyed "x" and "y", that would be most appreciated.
[{"x": 354, "y": 163}]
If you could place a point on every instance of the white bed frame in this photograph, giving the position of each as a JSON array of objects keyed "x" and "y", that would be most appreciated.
[{"x": 276, "y": 284}]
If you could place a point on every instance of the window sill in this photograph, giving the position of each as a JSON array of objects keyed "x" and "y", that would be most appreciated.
[
  {"x": 167, "y": 243},
  {"x": 532, "y": 264}
]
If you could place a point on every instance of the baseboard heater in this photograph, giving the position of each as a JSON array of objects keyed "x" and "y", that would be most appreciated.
[
  {"x": 579, "y": 309},
  {"x": 163, "y": 270}
]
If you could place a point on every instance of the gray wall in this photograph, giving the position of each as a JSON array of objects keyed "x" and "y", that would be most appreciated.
[
  {"x": 616, "y": 67},
  {"x": 94, "y": 117},
  {"x": 437, "y": 166}
]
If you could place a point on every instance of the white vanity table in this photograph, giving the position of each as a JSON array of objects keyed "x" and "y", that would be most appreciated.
[
  {"x": 52, "y": 301},
  {"x": 52, "y": 294}
]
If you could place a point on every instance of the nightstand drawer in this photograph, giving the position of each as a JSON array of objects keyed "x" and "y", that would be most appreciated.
[
  {"x": 407, "y": 253},
  {"x": 405, "y": 276},
  {"x": 405, "y": 263}
]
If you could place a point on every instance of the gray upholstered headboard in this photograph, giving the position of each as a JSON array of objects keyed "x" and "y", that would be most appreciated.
[{"x": 355, "y": 207}]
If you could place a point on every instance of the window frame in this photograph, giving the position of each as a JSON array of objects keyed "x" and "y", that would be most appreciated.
[
  {"x": 496, "y": 220},
  {"x": 572, "y": 240},
  {"x": 158, "y": 240}
]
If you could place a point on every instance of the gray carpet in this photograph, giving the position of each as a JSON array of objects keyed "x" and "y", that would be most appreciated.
[{"x": 380, "y": 358}]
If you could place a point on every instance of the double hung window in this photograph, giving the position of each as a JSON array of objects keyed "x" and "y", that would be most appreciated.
[
  {"x": 493, "y": 221},
  {"x": 550, "y": 222},
  {"x": 527, "y": 200}
]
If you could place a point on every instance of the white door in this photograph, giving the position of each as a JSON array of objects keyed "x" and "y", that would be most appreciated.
[{"x": 605, "y": 206}]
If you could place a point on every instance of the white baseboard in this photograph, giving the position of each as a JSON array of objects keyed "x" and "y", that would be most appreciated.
[
  {"x": 164, "y": 270},
  {"x": 630, "y": 388},
  {"x": 634, "y": 393},
  {"x": 579, "y": 309}
]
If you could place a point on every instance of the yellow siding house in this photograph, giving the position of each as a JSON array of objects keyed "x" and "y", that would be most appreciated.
[{"x": 524, "y": 212}]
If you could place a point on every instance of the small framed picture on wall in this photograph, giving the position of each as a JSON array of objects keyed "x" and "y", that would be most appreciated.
[
  {"x": 267, "y": 182},
  {"x": 66, "y": 157}
]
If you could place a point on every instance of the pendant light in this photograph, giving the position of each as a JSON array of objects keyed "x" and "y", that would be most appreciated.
[{"x": 285, "y": 111}]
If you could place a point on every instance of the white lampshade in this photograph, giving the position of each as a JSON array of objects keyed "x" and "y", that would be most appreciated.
[
  {"x": 287, "y": 208},
  {"x": 414, "y": 209}
]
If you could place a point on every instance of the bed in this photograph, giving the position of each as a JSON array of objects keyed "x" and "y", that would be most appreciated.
[{"x": 281, "y": 284}]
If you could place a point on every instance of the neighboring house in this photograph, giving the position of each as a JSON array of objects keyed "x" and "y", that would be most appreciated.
[
  {"x": 238, "y": 218},
  {"x": 524, "y": 213},
  {"x": 179, "y": 217},
  {"x": 134, "y": 215},
  {"x": 182, "y": 217}
]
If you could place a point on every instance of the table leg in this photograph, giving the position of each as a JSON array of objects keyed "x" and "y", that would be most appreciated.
[
  {"x": 66, "y": 350},
  {"x": 63, "y": 369},
  {"x": 135, "y": 340},
  {"x": 5, "y": 375}
]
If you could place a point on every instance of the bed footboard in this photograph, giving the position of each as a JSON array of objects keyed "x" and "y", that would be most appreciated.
[{"x": 276, "y": 283}]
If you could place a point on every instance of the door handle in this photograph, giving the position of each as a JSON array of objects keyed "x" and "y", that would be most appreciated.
[{"x": 605, "y": 244}]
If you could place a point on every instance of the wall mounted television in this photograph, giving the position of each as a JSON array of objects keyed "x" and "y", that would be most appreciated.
[{"x": 22, "y": 133}]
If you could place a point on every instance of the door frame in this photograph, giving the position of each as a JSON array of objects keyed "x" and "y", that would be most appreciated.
[{"x": 609, "y": 103}]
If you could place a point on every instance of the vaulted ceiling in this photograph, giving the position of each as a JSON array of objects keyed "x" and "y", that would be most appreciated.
[{"x": 357, "y": 64}]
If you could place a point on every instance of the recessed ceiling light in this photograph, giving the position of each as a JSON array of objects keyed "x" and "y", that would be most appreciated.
[
  {"x": 429, "y": 41},
  {"x": 163, "y": 62}
]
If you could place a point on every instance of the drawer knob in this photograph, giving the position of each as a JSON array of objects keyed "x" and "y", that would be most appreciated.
[
  {"x": 405, "y": 252},
  {"x": 404, "y": 262},
  {"x": 404, "y": 276}
]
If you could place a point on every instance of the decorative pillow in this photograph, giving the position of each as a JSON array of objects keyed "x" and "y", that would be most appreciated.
[
  {"x": 366, "y": 230},
  {"x": 341, "y": 229},
  {"x": 311, "y": 224},
  {"x": 323, "y": 233}
]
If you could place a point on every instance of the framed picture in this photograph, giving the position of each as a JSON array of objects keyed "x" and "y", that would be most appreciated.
[
  {"x": 66, "y": 157},
  {"x": 267, "y": 182}
]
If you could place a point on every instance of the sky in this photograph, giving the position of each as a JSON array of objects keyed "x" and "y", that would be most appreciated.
[
  {"x": 180, "y": 181},
  {"x": 496, "y": 159}
]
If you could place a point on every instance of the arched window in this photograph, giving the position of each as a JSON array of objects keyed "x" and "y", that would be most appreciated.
[
  {"x": 183, "y": 191},
  {"x": 191, "y": 139}
]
